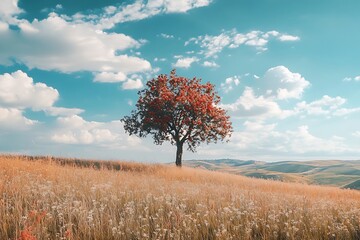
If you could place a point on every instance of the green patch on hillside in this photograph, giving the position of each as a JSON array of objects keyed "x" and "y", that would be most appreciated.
[
  {"x": 289, "y": 168},
  {"x": 353, "y": 185},
  {"x": 320, "y": 172}
]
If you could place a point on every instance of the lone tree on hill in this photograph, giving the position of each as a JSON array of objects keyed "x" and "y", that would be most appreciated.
[{"x": 179, "y": 110}]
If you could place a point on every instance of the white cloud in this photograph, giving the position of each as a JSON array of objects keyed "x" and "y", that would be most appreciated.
[
  {"x": 212, "y": 45},
  {"x": 256, "y": 136},
  {"x": 210, "y": 64},
  {"x": 109, "y": 77},
  {"x": 259, "y": 137},
  {"x": 110, "y": 9},
  {"x": 3, "y": 26},
  {"x": 321, "y": 106},
  {"x": 57, "y": 8},
  {"x": 345, "y": 111},
  {"x": 356, "y": 134},
  {"x": 56, "y": 44},
  {"x": 76, "y": 130},
  {"x": 286, "y": 37},
  {"x": 13, "y": 119},
  {"x": 278, "y": 83},
  {"x": 166, "y": 36},
  {"x": 348, "y": 79},
  {"x": 248, "y": 105},
  {"x": 159, "y": 59},
  {"x": 281, "y": 83},
  {"x": 302, "y": 141},
  {"x": 141, "y": 10},
  {"x": 184, "y": 5},
  {"x": 9, "y": 8},
  {"x": 185, "y": 62},
  {"x": 328, "y": 106},
  {"x": 132, "y": 84},
  {"x": 61, "y": 111},
  {"x": 229, "y": 83},
  {"x": 19, "y": 91},
  {"x": 78, "y": 43}
]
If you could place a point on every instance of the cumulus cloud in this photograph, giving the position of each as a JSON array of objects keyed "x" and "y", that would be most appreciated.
[
  {"x": 322, "y": 106},
  {"x": 13, "y": 119},
  {"x": 302, "y": 141},
  {"x": 328, "y": 106},
  {"x": 76, "y": 130},
  {"x": 19, "y": 91},
  {"x": 281, "y": 83},
  {"x": 57, "y": 44},
  {"x": 229, "y": 83},
  {"x": 132, "y": 84},
  {"x": 80, "y": 42},
  {"x": 254, "y": 135},
  {"x": 185, "y": 62},
  {"x": 210, "y": 64},
  {"x": 248, "y": 105},
  {"x": 109, "y": 77},
  {"x": 278, "y": 83},
  {"x": 212, "y": 45},
  {"x": 258, "y": 136},
  {"x": 9, "y": 8}
]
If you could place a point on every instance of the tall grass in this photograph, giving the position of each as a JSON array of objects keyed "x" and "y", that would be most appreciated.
[{"x": 48, "y": 198}]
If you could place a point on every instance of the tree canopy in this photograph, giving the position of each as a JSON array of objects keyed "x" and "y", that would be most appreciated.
[{"x": 179, "y": 110}]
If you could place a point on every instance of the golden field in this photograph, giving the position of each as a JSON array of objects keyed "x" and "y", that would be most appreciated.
[{"x": 48, "y": 198}]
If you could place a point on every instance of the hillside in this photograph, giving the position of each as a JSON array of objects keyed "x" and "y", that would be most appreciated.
[
  {"x": 52, "y": 198},
  {"x": 338, "y": 173}
]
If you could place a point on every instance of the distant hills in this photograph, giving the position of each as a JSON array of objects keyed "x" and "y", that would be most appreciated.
[{"x": 344, "y": 174}]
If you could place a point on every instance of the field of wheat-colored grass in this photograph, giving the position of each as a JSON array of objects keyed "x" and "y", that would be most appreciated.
[{"x": 47, "y": 198}]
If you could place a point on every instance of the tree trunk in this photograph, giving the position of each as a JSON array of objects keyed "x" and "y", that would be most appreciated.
[{"x": 179, "y": 151}]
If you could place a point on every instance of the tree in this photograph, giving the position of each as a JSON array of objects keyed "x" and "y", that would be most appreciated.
[{"x": 179, "y": 110}]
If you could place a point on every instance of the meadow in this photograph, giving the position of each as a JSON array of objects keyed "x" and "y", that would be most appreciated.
[
  {"x": 50, "y": 198},
  {"x": 338, "y": 173}
]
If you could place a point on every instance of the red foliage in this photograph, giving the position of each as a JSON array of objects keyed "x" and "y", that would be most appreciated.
[
  {"x": 179, "y": 110},
  {"x": 34, "y": 219}
]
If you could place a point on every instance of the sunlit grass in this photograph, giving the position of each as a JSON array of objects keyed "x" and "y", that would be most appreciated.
[{"x": 48, "y": 198}]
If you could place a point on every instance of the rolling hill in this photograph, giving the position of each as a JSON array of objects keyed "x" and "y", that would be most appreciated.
[
  {"x": 345, "y": 174},
  {"x": 73, "y": 199}
]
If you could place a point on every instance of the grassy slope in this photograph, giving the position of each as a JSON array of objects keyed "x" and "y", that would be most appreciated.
[
  {"x": 46, "y": 198},
  {"x": 330, "y": 172}
]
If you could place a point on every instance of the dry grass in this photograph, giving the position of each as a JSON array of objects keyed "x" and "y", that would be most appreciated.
[{"x": 49, "y": 198}]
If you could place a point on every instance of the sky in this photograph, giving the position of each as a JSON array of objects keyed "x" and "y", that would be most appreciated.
[{"x": 288, "y": 73}]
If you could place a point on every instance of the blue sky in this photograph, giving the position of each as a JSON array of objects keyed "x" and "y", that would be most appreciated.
[{"x": 287, "y": 71}]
